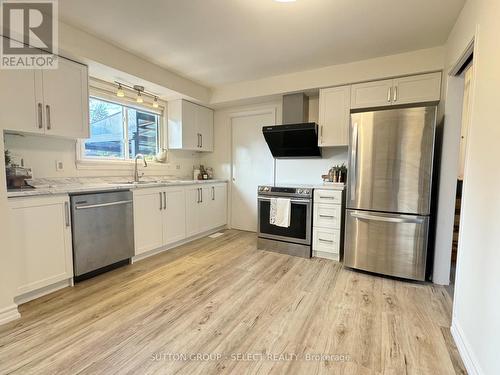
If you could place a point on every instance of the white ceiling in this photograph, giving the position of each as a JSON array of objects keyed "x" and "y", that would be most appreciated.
[{"x": 220, "y": 41}]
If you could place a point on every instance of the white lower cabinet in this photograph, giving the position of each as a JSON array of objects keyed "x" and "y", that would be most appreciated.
[
  {"x": 327, "y": 223},
  {"x": 163, "y": 216},
  {"x": 41, "y": 234},
  {"x": 148, "y": 219},
  {"x": 193, "y": 208},
  {"x": 206, "y": 207},
  {"x": 174, "y": 223}
]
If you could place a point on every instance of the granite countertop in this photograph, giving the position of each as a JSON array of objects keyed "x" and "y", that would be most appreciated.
[{"x": 82, "y": 185}]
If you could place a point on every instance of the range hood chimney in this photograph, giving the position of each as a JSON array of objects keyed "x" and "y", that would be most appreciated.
[
  {"x": 296, "y": 138},
  {"x": 295, "y": 109}
]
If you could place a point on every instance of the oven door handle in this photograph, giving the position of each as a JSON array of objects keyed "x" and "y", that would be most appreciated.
[{"x": 291, "y": 200}]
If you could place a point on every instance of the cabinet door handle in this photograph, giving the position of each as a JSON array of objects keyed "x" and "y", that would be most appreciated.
[
  {"x": 389, "y": 91},
  {"x": 201, "y": 140},
  {"x": 161, "y": 203},
  {"x": 198, "y": 195},
  {"x": 164, "y": 200},
  {"x": 322, "y": 240},
  {"x": 66, "y": 214},
  {"x": 395, "y": 97},
  {"x": 201, "y": 195},
  {"x": 213, "y": 193},
  {"x": 40, "y": 116},
  {"x": 47, "y": 115}
]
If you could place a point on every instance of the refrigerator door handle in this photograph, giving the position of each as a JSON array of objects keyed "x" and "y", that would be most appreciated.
[
  {"x": 414, "y": 220},
  {"x": 354, "y": 154}
]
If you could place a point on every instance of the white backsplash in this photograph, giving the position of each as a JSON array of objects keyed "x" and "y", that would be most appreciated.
[
  {"x": 309, "y": 171},
  {"x": 41, "y": 153}
]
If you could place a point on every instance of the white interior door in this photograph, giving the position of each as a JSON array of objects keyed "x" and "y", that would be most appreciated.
[{"x": 252, "y": 166}]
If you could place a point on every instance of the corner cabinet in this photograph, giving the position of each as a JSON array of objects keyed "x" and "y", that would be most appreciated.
[
  {"x": 190, "y": 126},
  {"x": 48, "y": 101},
  {"x": 41, "y": 235},
  {"x": 167, "y": 215},
  {"x": 334, "y": 116},
  {"x": 206, "y": 207},
  {"x": 406, "y": 90}
]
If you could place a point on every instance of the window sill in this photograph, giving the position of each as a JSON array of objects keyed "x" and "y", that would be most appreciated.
[{"x": 113, "y": 165}]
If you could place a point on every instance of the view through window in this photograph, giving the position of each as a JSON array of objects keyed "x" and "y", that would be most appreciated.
[{"x": 120, "y": 132}]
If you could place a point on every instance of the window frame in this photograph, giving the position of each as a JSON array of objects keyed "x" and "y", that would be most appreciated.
[{"x": 94, "y": 162}]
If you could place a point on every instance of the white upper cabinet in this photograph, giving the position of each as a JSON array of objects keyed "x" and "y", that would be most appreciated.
[
  {"x": 406, "y": 90},
  {"x": 21, "y": 100},
  {"x": 417, "y": 89},
  {"x": 334, "y": 110},
  {"x": 49, "y": 101},
  {"x": 66, "y": 98},
  {"x": 371, "y": 94},
  {"x": 205, "y": 121},
  {"x": 190, "y": 126}
]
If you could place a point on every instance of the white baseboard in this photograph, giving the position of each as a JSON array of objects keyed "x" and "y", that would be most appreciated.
[
  {"x": 176, "y": 244},
  {"x": 9, "y": 313},
  {"x": 325, "y": 255},
  {"x": 469, "y": 359},
  {"x": 26, "y": 297}
]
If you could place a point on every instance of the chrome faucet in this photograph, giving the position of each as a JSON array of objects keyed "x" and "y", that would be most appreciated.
[{"x": 136, "y": 173}]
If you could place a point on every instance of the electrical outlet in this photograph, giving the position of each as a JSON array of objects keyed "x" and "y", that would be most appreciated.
[{"x": 59, "y": 165}]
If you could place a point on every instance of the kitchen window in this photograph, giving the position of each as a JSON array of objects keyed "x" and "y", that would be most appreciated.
[{"x": 120, "y": 132}]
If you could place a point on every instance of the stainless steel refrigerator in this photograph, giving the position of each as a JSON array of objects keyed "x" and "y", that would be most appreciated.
[{"x": 389, "y": 191}]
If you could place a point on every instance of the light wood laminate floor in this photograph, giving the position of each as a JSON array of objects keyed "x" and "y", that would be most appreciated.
[{"x": 243, "y": 307}]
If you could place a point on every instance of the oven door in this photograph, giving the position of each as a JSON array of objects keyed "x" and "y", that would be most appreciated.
[{"x": 299, "y": 230}]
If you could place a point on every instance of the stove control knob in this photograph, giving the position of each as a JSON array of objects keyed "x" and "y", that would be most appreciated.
[
  {"x": 299, "y": 191},
  {"x": 306, "y": 191},
  {"x": 266, "y": 188}
]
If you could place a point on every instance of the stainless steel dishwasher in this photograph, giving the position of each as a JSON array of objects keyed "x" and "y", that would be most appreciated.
[{"x": 103, "y": 232}]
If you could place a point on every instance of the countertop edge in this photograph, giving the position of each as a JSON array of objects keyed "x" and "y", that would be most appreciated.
[{"x": 104, "y": 187}]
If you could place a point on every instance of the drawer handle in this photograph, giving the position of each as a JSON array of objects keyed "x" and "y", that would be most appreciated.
[
  {"x": 322, "y": 197},
  {"x": 327, "y": 241},
  {"x": 328, "y": 216}
]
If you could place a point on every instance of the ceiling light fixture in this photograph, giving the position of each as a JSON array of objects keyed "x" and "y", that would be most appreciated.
[
  {"x": 139, "y": 90},
  {"x": 120, "y": 92}
]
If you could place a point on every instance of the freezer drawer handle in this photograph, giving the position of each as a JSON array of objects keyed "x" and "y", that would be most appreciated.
[
  {"x": 387, "y": 219},
  {"x": 102, "y": 205},
  {"x": 323, "y": 197},
  {"x": 328, "y": 216}
]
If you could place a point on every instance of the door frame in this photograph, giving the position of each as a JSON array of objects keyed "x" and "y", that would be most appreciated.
[{"x": 257, "y": 111}]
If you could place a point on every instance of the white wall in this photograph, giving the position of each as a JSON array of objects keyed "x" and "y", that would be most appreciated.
[
  {"x": 293, "y": 171},
  {"x": 445, "y": 220},
  {"x": 421, "y": 61},
  {"x": 476, "y": 311}
]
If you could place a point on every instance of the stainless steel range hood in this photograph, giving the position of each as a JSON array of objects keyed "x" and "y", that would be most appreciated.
[{"x": 297, "y": 138}]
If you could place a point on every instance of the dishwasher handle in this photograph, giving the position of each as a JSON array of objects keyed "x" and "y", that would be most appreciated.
[{"x": 85, "y": 207}]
